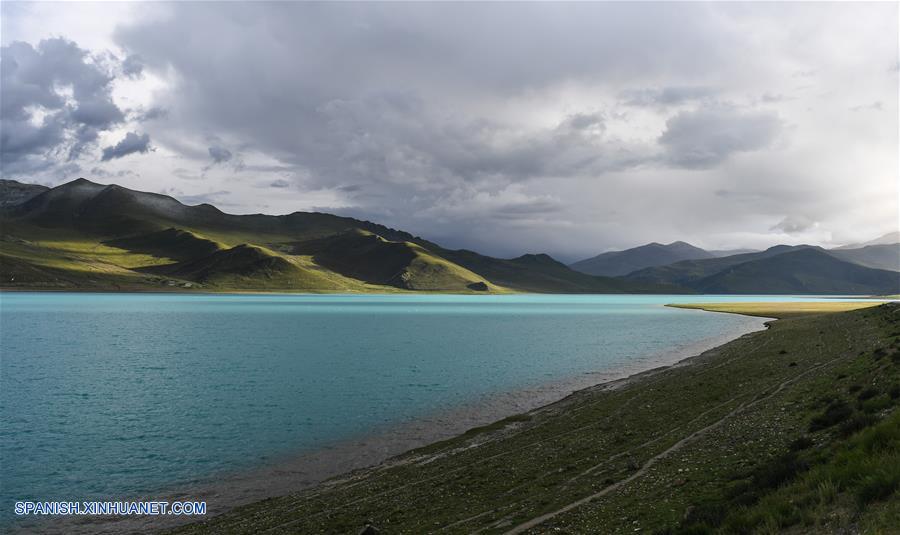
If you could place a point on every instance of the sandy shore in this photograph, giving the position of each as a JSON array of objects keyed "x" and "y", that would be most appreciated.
[{"x": 300, "y": 471}]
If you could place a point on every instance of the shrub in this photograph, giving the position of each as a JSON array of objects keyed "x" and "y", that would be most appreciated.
[
  {"x": 857, "y": 422},
  {"x": 836, "y": 412},
  {"x": 894, "y": 392},
  {"x": 801, "y": 443},
  {"x": 778, "y": 471},
  {"x": 870, "y": 392},
  {"x": 706, "y": 514},
  {"x": 875, "y": 404},
  {"x": 878, "y": 485}
]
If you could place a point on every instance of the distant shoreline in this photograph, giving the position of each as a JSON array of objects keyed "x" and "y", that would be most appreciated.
[{"x": 188, "y": 291}]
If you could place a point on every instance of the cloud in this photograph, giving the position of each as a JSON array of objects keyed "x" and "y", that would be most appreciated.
[
  {"x": 219, "y": 154},
  {"x": 154, "y": 113},
  {"x": 587, "y": 126},
  {"x": 874, "y": 106},
  {"x": 130, "y": 144},
  {"x": 186, "y": 174},
  {"x": 103, "y": 173},
  {"x": 56, "y": 100},
  {"x": 667, "y": 96},
  {"x": 706, "y": 137},
  {"x": 132, "y": 66},
  {"x": 794, "y": 224}
]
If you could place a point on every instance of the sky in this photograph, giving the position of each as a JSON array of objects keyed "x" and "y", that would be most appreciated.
[{"x": 507, "y": 128}]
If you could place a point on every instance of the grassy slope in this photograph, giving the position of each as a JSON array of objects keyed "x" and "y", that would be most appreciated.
[
  {"x": 792, "y": 429},
  {"x": 780, "y": 310},
  {"x": 151, "y": 228},
  {"x": 170, "y": 243},
  {"x": 366, "y": 256},
  {"x": 54, "y": 259}
]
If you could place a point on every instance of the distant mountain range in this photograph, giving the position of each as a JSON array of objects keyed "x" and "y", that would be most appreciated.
[
  {"x": 84, "y": 235},
  {"x": 618, "y": 263},
  {"x": 888, "y": 239},
  {"x": 785, "y": 269}
]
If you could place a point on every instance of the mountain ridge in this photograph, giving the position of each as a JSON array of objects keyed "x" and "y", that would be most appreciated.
[
  {"x": 152, "y": 236},
  {"x": 85, "y": 235},
  {"x": 619, "y": 263}
]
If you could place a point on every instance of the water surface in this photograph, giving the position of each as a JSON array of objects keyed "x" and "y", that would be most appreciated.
[{"x": 106, "y": 396}]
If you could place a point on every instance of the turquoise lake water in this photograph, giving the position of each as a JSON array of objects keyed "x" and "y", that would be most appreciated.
[{"x": 108, "y": 396}]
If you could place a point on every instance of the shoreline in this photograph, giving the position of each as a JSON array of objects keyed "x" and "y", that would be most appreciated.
[
  {"x": 378, "y": 449},
  {"x": 400, "y": 291}
]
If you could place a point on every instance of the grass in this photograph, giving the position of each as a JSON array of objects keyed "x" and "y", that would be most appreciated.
[
  {"x": 724, "y": 443},
  {"x": 780, "y": 309},
  {"x": 36, "y": 258},
  {"x": 371, "y": 258}
]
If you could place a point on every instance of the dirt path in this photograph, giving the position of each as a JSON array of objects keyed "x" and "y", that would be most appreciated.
[{"x": 525, "y": 526}]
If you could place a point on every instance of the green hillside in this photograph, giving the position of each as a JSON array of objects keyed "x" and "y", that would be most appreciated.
[
  {"x": 84, "y": 235},
  {"x": 13, "y": 192},
  {"x": 172, "y": 243},
  {"x": 366, "y": 256},
  {"x": 93, "y": 236},
  {"x": 251, "y": 267}
]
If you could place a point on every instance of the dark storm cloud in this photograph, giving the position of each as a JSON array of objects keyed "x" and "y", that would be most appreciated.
[
  {"x": 219, "y": 154},
  {"x": 706, "y": 137},
  {"x": 447, "y": 130},
  {"x": 495, "y": 126},
  {"x": 56, "y": 101},
  {"x": 396, "y": 111},
  {"x": 130, "y": 144}
]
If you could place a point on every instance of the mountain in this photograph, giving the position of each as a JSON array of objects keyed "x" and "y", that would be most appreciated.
[
  {"x": 688, "y": 272},
  {"x": 366, "y": 256},
  {"x": 782, "y": 269},
  {"x": 248, "y": 267},
  {"x": 874, "y": 256},
  {"x": 170, "y": 243},
  {"x": 803, "y": 271},
  {"x": 84, "y": 235},
  {"x": 540, "y": 273},
  {"x": 730, "y": 252},
  {"x": 13, "y": 192},
  {"x": 618, "y": 263},
  {"x": 886, "y": 239},
  {"x": 87, "y": 235}
]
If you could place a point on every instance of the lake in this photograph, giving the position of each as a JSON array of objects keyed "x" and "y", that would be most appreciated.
[{"x": 118, "y": 395}]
